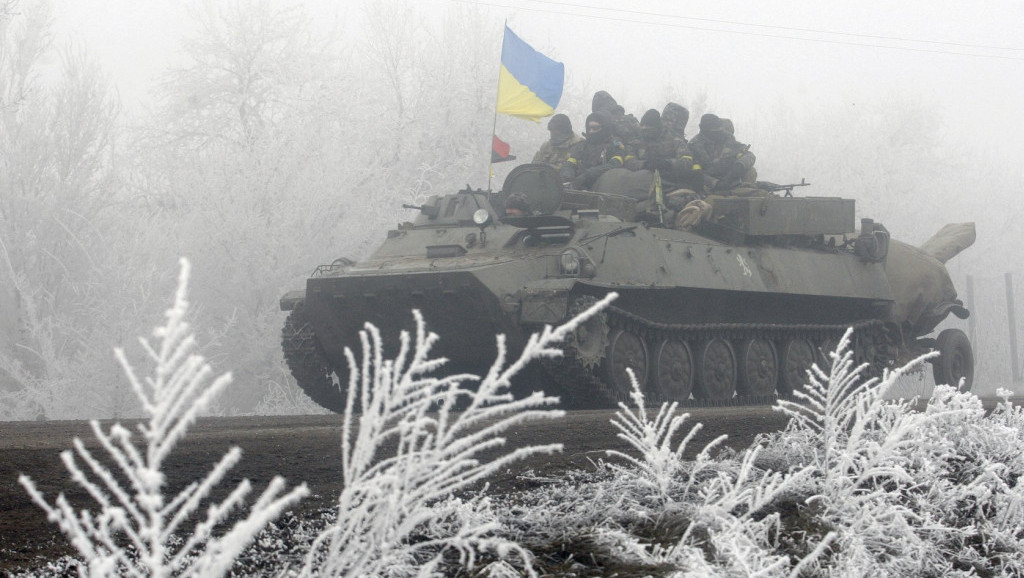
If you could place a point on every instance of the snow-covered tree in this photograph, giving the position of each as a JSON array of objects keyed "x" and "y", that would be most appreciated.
[{"x": 59, "y": 230}]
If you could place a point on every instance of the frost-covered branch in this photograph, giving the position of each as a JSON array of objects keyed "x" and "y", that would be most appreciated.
[
  {"x": 135, "y": 530},
  {"x": 400, "y": 514},
  {"x": 657, "y": 463}
]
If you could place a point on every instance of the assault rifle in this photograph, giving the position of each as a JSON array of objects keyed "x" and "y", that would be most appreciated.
[{"x": 773, "y": 188}]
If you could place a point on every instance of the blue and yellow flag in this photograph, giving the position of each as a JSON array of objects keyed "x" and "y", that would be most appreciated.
[{"x": 530, "y": 84}]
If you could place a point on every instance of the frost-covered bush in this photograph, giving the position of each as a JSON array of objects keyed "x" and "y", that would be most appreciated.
[
  {"x": 403, "y": 514},
  {"x": 856, "y": 485},
  {"x": 658, "y": 464},
  {"x": 655, "y": 512},
  {"x": 137, "y": 529},
  {"x": 908, "y": 492}
]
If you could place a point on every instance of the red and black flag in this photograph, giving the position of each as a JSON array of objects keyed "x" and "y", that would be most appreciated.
[{"x": 500, "y": 151}]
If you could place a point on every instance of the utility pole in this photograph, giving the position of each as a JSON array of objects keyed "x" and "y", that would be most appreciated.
[{"x": 1013, "y": 328}]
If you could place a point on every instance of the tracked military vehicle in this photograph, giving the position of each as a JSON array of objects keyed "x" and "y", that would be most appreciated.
[{"x": 733, "y": 310}]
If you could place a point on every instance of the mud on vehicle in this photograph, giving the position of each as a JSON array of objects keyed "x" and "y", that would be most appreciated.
[{"x": 732, "y": 310}]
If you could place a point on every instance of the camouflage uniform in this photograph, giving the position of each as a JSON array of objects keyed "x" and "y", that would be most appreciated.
[
  {"x": 684, "y": 175},
  {"x": 684, "y": 172},
  {"x": 654, "y": 148},
  {"x": 674, "y": 118},
  {"x": 659, "y": 150},
  {"x": 726, "y": 163},
  {"x": 625, "y": 126},
  {"x": 589, "y": 159},
  {"x": 555, "y": 154}
]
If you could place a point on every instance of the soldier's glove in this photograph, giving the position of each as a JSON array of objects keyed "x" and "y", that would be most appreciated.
[
  {"x": 732, "y": 178},
  {"x": 736, "y": 173}
]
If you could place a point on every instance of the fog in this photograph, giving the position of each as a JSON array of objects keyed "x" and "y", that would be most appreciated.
[
  {"x": 963, "y": 64},
  {"x": 263, "y": 138}
]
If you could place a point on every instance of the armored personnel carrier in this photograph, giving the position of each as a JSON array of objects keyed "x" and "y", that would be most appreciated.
[{"x": 732, "y": 310}]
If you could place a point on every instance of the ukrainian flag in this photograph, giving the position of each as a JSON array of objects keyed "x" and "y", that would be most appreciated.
[{"x": 530, "y": 84}]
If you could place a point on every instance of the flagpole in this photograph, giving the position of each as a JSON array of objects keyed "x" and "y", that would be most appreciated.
[{"x": 494, "y": 123}]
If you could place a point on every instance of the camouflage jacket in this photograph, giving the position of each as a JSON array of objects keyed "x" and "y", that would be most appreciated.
[
  {"x": 685, "y": 173},
  {"x": 590, "y": 154},
  {"x": 717, "y": 159},
  {"x": 642, "y": 151},
  {"x": 589, "y": 159},
  {"x": 556, "y": 154},
  {"x": 681, "y": 173},
  {"x": 626, "y": 128}
]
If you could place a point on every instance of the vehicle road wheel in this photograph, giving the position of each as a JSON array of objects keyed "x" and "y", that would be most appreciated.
[
  {"x": 716, "y": 371},
  {"x": 797, "y": 357},
  {"x": 626, "y": 350},
  {"x": 956, "y": 360},
  {"x": 673, "y": 370},
  {"x": 759, "y": 367}
]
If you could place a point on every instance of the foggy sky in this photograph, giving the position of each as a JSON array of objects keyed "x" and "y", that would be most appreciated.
[{"x": 745, "y": 56}]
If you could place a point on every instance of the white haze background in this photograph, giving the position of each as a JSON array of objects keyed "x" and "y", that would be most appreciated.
[{"x": 262, "y": 138}]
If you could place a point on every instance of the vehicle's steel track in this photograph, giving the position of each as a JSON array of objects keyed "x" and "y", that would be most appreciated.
[
  {"x": 587, "y": 387},
  {"x": 308, "y": 363}
]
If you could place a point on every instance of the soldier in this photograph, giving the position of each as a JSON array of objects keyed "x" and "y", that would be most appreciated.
[
  {"x": 517, "y": 205},
  {"x": 655, "y": 149},
  {"x": 674, "y": 117},
  {"x": 659, "y": 150},
  {"x": 599, "y": 152},
  {"x": 556, "y": 150},
  {"x": 751, "y": 177},
  {"x": 726, "y": 163},
  {"x": 602, "y": 101},
  {"x": 626, "y": 127},
  {"x": 728, "y": 127}
]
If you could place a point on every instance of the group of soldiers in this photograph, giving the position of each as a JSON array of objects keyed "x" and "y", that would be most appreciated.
[{"x": 713, "y": 162}]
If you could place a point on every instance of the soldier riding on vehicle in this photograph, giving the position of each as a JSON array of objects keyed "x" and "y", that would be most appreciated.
[
  {"x": 600, "y": 152},
  {"x": 727, "y": 163},
  {"x": 555, "y": 151},
  {"x": 624, "y": 126},
  {"x": 674, "y": 118}
]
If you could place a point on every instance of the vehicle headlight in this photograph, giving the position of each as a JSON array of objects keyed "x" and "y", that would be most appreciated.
[
  {"x": 481, "y": 217},
  {"x": 570, "y": 262}
]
